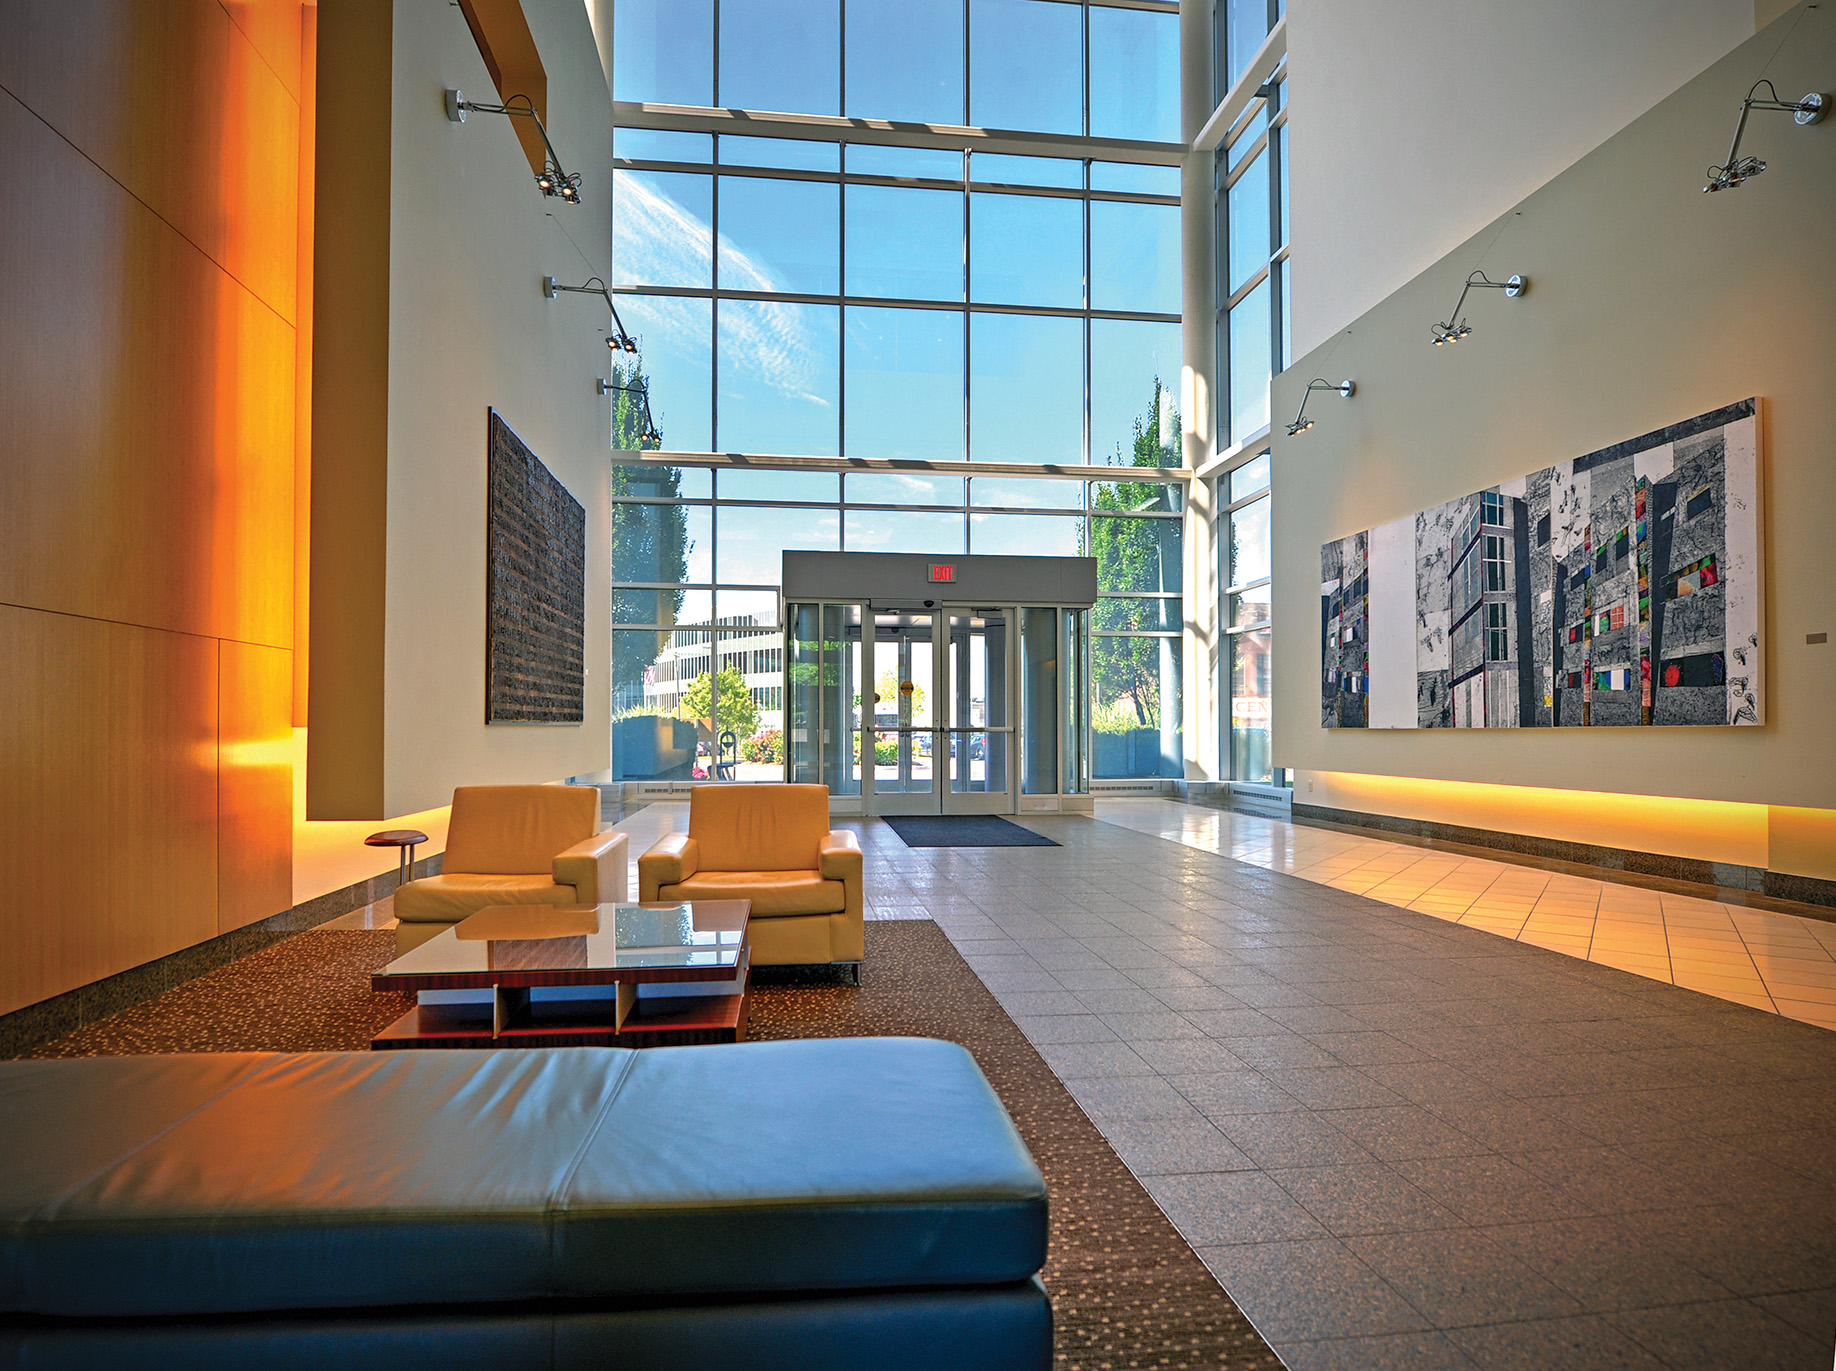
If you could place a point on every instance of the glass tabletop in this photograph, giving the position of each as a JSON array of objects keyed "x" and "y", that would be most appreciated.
[{"x": 706, "y": 935}]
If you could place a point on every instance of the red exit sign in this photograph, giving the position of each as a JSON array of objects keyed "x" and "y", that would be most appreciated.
[{"x": 942, "y": 571}]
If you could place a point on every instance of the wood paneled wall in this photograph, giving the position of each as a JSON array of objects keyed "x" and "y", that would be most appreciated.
[{"x": 149, "y": 227}]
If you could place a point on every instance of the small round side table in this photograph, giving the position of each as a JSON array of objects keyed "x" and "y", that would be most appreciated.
[{"x": 407, "y": 839}]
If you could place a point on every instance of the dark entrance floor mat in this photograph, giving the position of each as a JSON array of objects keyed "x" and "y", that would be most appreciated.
[{"x": 964, "y": 830}]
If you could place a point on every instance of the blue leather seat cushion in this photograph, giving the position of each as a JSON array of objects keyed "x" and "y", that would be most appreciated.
[{"x": 214, "y": 1184}]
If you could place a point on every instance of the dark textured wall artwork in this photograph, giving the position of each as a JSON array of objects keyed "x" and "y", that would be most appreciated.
[
  {"x": 1618, "y": 589},
  {"x": 535, "y": 597}
]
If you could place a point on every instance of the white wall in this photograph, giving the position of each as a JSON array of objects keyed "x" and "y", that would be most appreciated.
[
  {"x": 469, "y": 329},
  {"x": 1416, "y": 122},
  {"x": 1650, "y": 303}
]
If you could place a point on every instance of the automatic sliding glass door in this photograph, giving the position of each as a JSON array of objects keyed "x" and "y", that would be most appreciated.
[
  {"x": 977, "y": 735},
  {"x": 905, "y": 736}
]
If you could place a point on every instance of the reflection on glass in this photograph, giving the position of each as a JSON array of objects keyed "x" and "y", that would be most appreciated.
[
  {"x": 1026, "y": 250},
  {"x": 1136, "y": 616},
  {"x": 1134, "y": 81},
  {"x": 677, "y": 338},
  {"x": 1026, "y": 389},
  {"x": 1249, "y": 478},
  {"x": 1074, "y": 768},
  {"x": 779, "y": 235},
  {"x": 747, "y": 740},
  {"x": 1027, "y": 535},
  {"x": 649, "y": 543},
  {"x": 975, "y": 679},
  {"x": 780, "y": 377},
  {"x": 1136, "y": 554},
  {"x": 997, "y": 169},
  {"x": 1281, "y": 274},
  {"x": 924, "y": 164},
  {"x": 902, "y": 705},
  {"x": 1250, "y": 608},
  {"x": 655, "y": 145},
  {"x": 738, "y": 483},
  {"x": 1021, "y": 492},
  {"x": 753, "y": 540},
  {"x": 780, "y": 55},
  {"x": 1249, "y": 706},
  {"x": 663, "y": 51},
  {"x": 1026, "y": 65},
  {"x": 905, "y": 61},
  {"x": 1249, "y": 544},
  {"x": 1249, "y": 223},
  {"x": 905, "y": 243},
  {"x": 1134, "y": 256},
  {"x": 747, "y": 606},
  {"x": 648, "y": 741},
  {"x": 823, "y": 715},
  {"x": 1138, "y": 497},
  {"x": 662, "y": 231},
  {"x": 1135, "y": 710},
  {"x": 1241, "y": 145},
  {"x": 1134, "y": 415},
  {"x": 1135, "y": 178},
  {"x": 792, "y": 154},
  {"x": 902, "y": 488},
  {"x": 905, "y": 384},
  {"x": 885, "y": 530},
  {"x": 1246, "y": 25},
  {"x": 1249, "y": 364},
  {"x": 1039, "y": 701}
]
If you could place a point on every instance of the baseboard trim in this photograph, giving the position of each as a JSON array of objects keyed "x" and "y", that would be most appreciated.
[
  {"x": 35, "y": 1024},
  {"x": 1777, "y": 885}
]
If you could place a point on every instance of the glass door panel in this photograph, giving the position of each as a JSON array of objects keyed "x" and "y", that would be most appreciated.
[
  {"x": 976, "y": 734},
  {"x": 903, "y": 694},
  {"x": 822, "y": 697}
]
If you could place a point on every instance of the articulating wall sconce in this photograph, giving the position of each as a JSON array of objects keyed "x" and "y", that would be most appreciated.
[
  {"x": 552, "y": 179},
  {"x": 618, "y": 340},
  {"x": 1736, "y": 169},
  {"x": 1452, "y": 332},
  {"x": 1302, "y": 423},
  {"x": 648, "y": 434}
]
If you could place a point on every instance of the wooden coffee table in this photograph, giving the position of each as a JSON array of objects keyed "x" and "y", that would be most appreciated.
[{"x": 610, "y": 975}]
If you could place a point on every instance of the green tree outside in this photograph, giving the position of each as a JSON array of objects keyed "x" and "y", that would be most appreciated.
[
  {"x": 739, "y": 712},
  {"x": 1134, "y": 556}
]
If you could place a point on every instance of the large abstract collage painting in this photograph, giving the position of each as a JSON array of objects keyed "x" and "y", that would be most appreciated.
[{"x": 1622, "y": 588}]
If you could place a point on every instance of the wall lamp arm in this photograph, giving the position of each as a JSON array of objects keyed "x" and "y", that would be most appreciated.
[
  {"x": 553, "y": 179},
  {"x": 1452, "y": 332},
  {"x": 1302, "y": 423},
  {"x": 1737, "y": 169},
  {"x": 618, "y": 339}
]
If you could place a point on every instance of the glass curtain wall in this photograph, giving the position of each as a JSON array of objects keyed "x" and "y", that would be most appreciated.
[
  {"x": 1252, "y": 264},
  {"x": 798, "y": 297},
  {"x": 1245, "y": 567},
  {"x": 697, "y": 557},
  {"x": 1253, "y": 343}
]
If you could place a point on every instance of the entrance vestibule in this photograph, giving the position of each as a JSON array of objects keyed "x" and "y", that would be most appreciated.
[{"x": 967, "y": 699}]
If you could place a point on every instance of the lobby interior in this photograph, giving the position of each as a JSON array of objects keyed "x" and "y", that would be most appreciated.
[{"x": 1341, "y": 1041}]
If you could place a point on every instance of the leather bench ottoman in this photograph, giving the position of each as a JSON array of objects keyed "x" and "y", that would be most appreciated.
[{"x": 828, "y": 1203}]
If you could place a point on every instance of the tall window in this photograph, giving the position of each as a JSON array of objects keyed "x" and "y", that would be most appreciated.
[
  {"x": 1252, "y": 260},
  {"x": 806, "y": 297},
  {"x": 1245, "y": 569}
]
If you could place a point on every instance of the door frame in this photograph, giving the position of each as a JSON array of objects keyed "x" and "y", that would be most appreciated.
[{"x": 940, "y": 799}]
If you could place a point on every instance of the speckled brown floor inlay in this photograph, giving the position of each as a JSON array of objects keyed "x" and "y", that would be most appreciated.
[{"x": 1126, "y": 1289}]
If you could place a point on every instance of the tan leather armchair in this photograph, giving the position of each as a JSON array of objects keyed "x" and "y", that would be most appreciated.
[
  {"x": 770, "y": 844},
  {"x": 515, "y": 844}
]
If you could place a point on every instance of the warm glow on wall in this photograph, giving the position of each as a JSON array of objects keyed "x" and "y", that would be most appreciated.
[{"x": 1707, "y": 830}]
